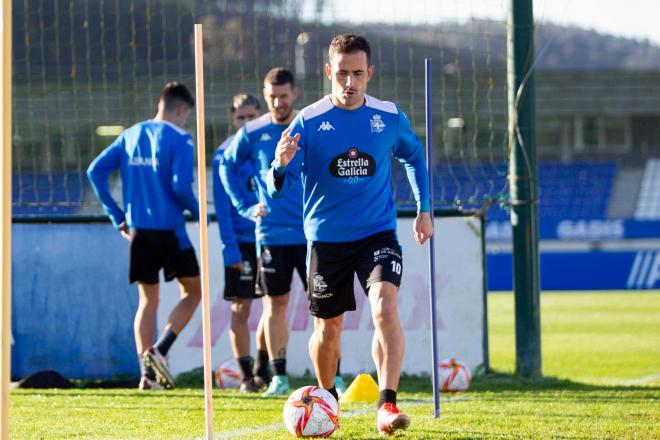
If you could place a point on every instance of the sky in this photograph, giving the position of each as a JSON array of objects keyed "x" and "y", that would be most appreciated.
[{"x": 639, "y": 19}]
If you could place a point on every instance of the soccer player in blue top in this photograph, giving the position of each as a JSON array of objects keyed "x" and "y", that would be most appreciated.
[
  {"x": 341, "y": 149},
  {"x": 279, "y": 229},
  {"x": 240, "y": 258},
  {"x": 155, "y": 159}
]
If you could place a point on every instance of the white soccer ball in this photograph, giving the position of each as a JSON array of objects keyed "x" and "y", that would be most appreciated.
[
  {"x": 454, "y": 376},
  {"x": 228, "y": 374},
  {"x": 311, "y": 412}
]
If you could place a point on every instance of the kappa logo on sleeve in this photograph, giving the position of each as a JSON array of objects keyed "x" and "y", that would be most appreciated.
[{"x": 353, "y": 163}]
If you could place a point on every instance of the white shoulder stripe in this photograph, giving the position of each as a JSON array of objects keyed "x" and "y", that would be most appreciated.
[
  {"x": 385, "y": 106},
  {"x": 176, "y": 128},
  {"x": 324, "y": 105},
  {"x": 258, "y": 123},
  {"x": 223, "y": 146}
]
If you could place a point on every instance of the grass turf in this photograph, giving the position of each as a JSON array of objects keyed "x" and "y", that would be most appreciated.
[{"x": 601, "y": 358}]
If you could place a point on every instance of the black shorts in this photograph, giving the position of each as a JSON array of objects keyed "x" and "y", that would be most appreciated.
[
  {"x": 332, "y": 267},
  {"x": 241, "y": 284},
  {"x": 276, "y": 267},
  {"x": 152, "y": 250}
]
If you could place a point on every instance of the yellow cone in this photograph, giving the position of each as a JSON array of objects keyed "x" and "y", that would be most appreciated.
[{"x": 363, "y": 389}]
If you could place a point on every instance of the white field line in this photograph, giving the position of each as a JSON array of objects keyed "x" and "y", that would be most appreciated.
[
  {"x": 643, "y": 380},
  {"x": 358, "y": 412}
]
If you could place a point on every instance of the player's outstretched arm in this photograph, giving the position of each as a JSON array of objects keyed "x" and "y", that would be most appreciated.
[
  {"x": 182, "y": 178},
  {"x": 231, "y": 254},
  {"x": 408, "y": 150},
  {"x": 232, "y": 161},
  {"x": 98, "y": 173},
  {"x": 245, "y": 201},
  {"x": 284, "y": 170},
  {"x": 423, "y": 227}
]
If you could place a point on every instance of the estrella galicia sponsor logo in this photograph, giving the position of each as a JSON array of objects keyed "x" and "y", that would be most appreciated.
[
  {"x": 377, "y": 124},
  {"x": 353, "y": 163}
]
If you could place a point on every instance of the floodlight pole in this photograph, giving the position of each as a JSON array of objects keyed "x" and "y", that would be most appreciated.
[
  {"x": 429, "y": 163},
  {"x": 5, "y": 209},
  {"x": 524, "y": 186}
]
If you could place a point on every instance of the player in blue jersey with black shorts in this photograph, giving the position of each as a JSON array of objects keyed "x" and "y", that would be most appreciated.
[
  {"x": 155, "y": 159},
  {"x": 279, "y": 228},
  {"x": 240, "y": 258},
  {"x": 341, "y": 149}
]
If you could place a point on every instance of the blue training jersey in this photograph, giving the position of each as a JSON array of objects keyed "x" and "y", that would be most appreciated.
[
  {"x": 155, "y": 159},
  {"x": 255, "y": 143},
  {"x": 345, "y": 162},
  {"x": 233, "y": 227}
]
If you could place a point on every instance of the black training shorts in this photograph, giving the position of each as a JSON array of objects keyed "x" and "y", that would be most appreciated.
[
  {"x": 276, "y": 267},
  {"x": 152, "y": 250},
  {"x": 332, "y": 267},
  {"x": 241, "y": 283}
]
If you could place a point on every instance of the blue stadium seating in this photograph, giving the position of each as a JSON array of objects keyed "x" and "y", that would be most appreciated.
[
  {"x": 566, "y": 190},
  {"x": 47, "y": 194},
  {"x": 575, "y": 190}
]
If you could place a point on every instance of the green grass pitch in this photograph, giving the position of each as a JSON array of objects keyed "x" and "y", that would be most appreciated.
[{"x": 601, "y": 361}]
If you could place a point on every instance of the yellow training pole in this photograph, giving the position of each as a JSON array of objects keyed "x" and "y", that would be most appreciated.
[
  {"x": 5, "y": 202},
  {"x": 203, "y": 229}
]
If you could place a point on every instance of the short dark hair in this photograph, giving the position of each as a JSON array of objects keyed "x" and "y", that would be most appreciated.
[
  {"x": 174, "y": 93},
  {"x": 278, "y": 76},
  {"x": 349, "y": 43},
  {"x": 243, "y": 100}
]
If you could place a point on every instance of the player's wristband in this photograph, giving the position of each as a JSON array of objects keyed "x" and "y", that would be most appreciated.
[
  {"x": 279, "y": 169},
  {"x": 424, "y": 206}
]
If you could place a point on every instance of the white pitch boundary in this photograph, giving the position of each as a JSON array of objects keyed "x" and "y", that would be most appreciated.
[
  {"x": 643, "y": 380},
  {"x": 358, "y": 412}
]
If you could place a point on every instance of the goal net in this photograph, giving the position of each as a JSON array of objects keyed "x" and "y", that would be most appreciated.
[{"x": 86, "y": 69}]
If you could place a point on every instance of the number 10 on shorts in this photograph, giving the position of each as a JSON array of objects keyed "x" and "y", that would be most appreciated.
[{"x": 396, "y": 267}]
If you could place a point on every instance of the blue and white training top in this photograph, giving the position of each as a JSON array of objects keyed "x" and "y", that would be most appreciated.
[
  {"x": 344, "y": 164},
  {"x": 255, "y": 143},
  {"x": 155, "y": 159},
  {"x": 233, "y": 227}
]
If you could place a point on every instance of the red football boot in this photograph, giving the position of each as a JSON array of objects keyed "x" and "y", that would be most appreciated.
[{"x": 390, "y": 419}]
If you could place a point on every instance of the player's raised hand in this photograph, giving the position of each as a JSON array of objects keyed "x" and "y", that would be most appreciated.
[
  {"x": 423, "y": 227},
  {"x": 287, "y": 147}
]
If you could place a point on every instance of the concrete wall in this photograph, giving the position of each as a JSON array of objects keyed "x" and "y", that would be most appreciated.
[{"x": 73, "y": 308}]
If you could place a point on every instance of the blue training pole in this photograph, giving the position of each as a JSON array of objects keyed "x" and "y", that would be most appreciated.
[{"x": 429, "y": 164}]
